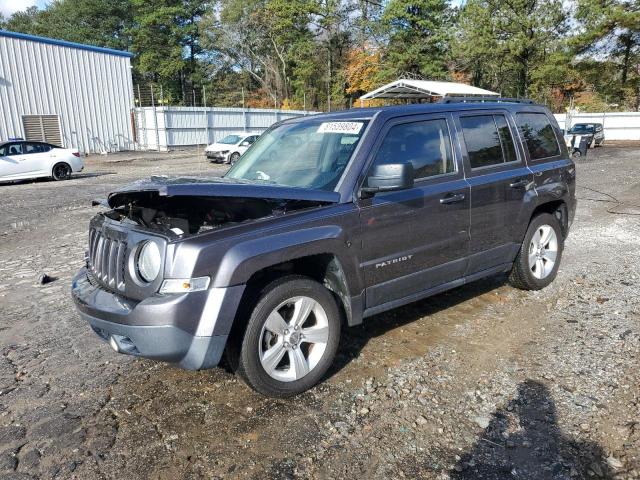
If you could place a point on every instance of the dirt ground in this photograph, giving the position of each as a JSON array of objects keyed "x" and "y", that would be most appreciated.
[{"x": 484, "y": 381}]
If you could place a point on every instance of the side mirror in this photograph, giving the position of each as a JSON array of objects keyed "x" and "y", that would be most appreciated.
[
  {"x": 389, "y": 177},
  {"x": 245, "y": 143}
]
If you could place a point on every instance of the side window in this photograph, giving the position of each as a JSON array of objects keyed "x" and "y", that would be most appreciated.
[
  {"x": 506, "y": 140},
  {"x": 538, "y": 135},
  {"x": 33, "y": 148},
  {"x": 426, "y": 145},
  {"x": 14, "y": 149},
  {"x": 482, "y": 140}
]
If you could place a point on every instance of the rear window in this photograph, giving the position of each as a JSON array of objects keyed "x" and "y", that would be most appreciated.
[
  {"x": 538, "y": 135},
  {"x": 488, "y": 140}
]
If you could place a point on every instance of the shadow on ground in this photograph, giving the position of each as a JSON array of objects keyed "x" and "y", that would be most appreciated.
[{"x": 524, "y": 440}]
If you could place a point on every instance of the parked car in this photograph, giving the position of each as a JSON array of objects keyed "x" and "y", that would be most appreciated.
[
  {"x": 593, "y": 132},
  {"x": 20, "y": 160},
  {"x": 231, "y": 147},
  {"x": 325, "y": 221}
]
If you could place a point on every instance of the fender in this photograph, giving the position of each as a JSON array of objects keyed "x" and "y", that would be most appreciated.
[
  {"x": 552, "y": 182},
  {"x": 241, "y": 261}
]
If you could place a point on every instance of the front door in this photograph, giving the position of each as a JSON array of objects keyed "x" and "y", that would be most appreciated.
[
  {"x": 11, "y": 164},
  {"x": 416, "y": 239},
  {"x": 500, "y": 180}
]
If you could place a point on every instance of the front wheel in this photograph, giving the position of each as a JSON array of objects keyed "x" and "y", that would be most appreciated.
[
  {"x": 234, "y": 158},
  {"x": 291, "y": 338},
  {"x": 536, "y": 265}
]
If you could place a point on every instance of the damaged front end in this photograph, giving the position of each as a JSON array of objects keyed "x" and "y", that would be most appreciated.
[{"x": 186, "y": 207}]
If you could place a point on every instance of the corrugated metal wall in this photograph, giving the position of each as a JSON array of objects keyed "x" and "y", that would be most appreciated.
[
  {"x": 182, "y": 126},
  {"x": 617, "y": 125},
  {"x": 91, "y": 91}
]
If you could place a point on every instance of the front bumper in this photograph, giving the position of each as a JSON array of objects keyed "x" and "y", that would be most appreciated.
[
  {"x": 216, "y": 156},
  {"x": 190, "y": 329}
]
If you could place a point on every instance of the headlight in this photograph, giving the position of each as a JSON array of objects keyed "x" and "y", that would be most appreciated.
[{"x": 149, "y": 260}]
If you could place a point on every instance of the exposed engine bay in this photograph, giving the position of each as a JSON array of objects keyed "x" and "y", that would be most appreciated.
[{"x": 190, "y": 215}]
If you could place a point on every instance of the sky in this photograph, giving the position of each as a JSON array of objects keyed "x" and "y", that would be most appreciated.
[{"x": 7, "y": 7}]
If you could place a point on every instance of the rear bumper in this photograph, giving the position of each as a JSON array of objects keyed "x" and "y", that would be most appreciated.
[{"x": 189, "y": 329}]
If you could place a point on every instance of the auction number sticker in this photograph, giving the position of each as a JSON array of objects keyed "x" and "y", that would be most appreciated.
[{"x": 340, "y": 127}]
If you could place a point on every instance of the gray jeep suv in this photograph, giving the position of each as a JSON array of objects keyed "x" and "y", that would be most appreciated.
[{"x": 325, "y": 221}]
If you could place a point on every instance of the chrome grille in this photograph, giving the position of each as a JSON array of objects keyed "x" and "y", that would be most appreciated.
[{"x": 107, "y": 260}]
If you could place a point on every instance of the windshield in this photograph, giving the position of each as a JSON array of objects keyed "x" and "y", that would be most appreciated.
[
  {"x": 581, "y": 128},
  {"x": 307, "y": 154},
  {"x": 230, "y": 139}
]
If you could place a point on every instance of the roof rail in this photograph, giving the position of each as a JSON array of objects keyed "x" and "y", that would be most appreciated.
[{"x": 486, "y": 100}]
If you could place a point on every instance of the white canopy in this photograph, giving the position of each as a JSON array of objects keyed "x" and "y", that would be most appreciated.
[{"x": 417, "y": 89}]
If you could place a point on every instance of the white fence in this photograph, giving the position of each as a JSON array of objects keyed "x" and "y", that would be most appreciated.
[
  {"x": 165, "y": 128},
  {"x": 617, "y": 125}
]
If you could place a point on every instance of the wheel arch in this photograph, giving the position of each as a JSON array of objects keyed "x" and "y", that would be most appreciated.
[
  {"x": 557, "y": 208},
  {"x": 325, "y": 268},
  {"x": 61, "y": 162}
]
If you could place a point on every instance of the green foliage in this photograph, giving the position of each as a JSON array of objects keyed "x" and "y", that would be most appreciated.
[
  {"x": 418, "y": 38},
  {"x": 505, "y": 45},
  {"x": 325, "y": 53}
]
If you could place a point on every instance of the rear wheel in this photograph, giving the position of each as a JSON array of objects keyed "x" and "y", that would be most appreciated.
[
  {"x": 291, "y": 338},
  {"x": 536, "y": 265},
  {"x": 61, "y": 171}
]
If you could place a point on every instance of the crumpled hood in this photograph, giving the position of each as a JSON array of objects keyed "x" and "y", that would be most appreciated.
[{"x": 216, "y": 187}]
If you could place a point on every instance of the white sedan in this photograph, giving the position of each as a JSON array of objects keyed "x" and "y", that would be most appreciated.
[
  {"x": 20, "y": 160},
  {"x": 231, "y": 147}
]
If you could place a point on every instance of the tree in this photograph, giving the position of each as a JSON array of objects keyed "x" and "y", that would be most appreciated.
[
  {"x": 417, "y": 33},
  {"x": 611, "y": 29},
  {"x": 102, "y": 23}
]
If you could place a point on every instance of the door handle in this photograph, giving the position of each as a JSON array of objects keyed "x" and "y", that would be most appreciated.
[
  {"x": 523, "y": 182},
  {"x": 452, "y": 198}
]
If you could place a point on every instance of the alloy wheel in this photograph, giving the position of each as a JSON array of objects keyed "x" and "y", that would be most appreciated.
[
  {"x": 293, "y": 339},
  {"x": 543, "y": 251}
]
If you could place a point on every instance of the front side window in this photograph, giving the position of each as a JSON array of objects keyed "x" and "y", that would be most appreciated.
[
  {"x": 538, "y": 135},
  {"x": 309, "y": 154},
  {"x": 13, "y": 149},
  {"x": 426, "y": 145}
]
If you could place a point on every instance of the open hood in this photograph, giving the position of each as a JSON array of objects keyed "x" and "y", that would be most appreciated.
[
  {"x": 216, "y": 187},
  {"x": 188, "y": 206}
]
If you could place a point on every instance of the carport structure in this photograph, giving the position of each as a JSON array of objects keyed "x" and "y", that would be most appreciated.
[{"x": 426, "y": 90}]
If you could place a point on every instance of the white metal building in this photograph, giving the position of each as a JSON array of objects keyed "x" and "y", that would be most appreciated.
[{"x": 69, "y": 94}]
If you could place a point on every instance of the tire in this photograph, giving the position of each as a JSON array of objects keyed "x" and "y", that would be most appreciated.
[
  {"x": 61, "y": 171},
  {"x": 526, "y": 276},
  {"x": 294, "y": 364},
  {"x": 235, "y": 156}
]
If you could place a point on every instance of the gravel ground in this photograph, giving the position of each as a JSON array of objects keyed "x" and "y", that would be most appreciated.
[{"x": 484, "y": 381}]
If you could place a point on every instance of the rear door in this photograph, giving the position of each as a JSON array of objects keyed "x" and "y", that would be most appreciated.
[
  {"x": 416, "y": 239},
  {"x": 500, "y": 184},
  {"x": 36, "y": 158}
]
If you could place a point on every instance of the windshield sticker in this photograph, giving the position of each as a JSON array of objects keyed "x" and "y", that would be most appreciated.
[{"x": 340, "y": 127}]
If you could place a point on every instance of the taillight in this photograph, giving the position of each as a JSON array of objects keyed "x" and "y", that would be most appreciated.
[{"x": 76, "y": 154}]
